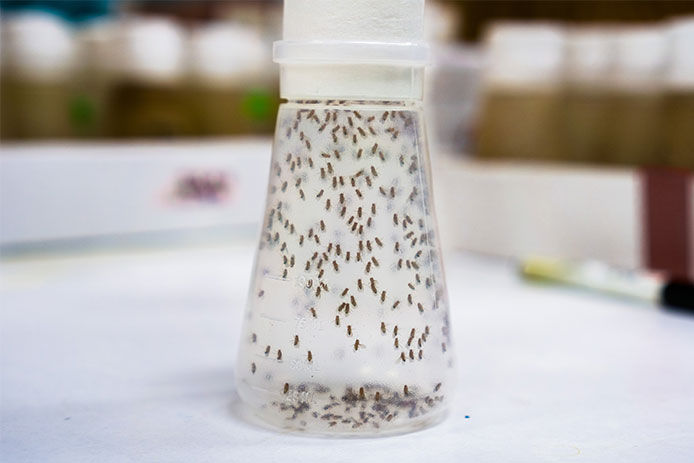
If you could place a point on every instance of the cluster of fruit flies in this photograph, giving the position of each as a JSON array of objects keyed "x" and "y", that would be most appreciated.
[
  {"x": 335, "y": 197},
  {"x": 367, "y": 405}
]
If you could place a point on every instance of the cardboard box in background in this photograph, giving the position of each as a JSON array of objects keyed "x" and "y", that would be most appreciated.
[{"x": 623, "y": 216}]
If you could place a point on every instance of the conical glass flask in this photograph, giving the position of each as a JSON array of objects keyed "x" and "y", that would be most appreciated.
[{"x": 346, "y": 329}]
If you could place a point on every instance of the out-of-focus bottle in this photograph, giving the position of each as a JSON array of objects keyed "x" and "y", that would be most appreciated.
[
  {"x": 636, "y": 88},
  {"x": 522, "y": 91},
  {"x": 233, "y": 88},
  {"x": 38, "y": 57},
  {"x": 94, "y": 78},
  {"x": 452, "y": 83},
  {"x": 587, "y": 104},
  {"x": 452, "y": 97},
  {"x": 148, "y": 97},
  {"x": 679, "y": 95}
]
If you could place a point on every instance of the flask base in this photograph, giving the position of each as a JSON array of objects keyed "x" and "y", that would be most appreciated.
[{"x": 355, "y": 413}]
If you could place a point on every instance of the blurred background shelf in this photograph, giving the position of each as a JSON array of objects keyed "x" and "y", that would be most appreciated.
[{"x": 602, "y": 83}]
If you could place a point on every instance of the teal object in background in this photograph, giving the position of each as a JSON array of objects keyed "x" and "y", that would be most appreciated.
[{"x": 74, "y": 11}]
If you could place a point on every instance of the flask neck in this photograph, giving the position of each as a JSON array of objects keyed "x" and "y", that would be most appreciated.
[{"x": 363, "y": 82}]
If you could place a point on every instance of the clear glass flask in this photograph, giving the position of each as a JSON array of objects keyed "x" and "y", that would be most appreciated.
[{"x": 346, "y": 330}]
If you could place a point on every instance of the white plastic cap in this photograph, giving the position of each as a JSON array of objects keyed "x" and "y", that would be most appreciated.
[
  {"x": 364, "y": 49},
  {"x": 151, "y": 49},
  {"x": 525, "y": 54},
  {"x": 640, "y": 54},
  {"x": 224, "y": 53},
  {"x": 97, "y": 46},
  {"x": 589, "y": 54},
  {"x": 38, "y": 46},
  {"x": 680, "y": 69}
]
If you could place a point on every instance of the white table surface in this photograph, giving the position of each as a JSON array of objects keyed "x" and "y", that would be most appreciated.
[{"x": 129, "y": 357}]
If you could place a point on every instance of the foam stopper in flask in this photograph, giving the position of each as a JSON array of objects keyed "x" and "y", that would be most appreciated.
[
  {"x": 354, "y": 20},
  {"x": 356, "y": 49}
]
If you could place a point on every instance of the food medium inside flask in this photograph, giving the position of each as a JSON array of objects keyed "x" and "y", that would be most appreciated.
[{"x": 346, "y": 329}]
